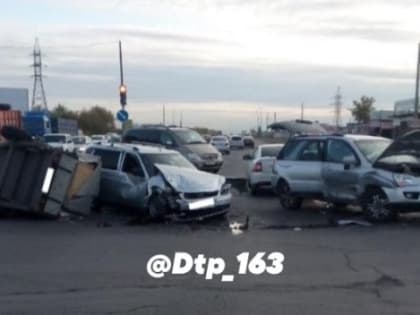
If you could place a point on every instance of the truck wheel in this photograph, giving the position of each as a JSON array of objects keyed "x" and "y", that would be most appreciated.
[
  {"x": 373, "y": 203},
  {"x": 287, "y": 200}
]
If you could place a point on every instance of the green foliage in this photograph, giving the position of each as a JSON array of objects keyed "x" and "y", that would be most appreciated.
[
  {"x": 96, "y": 120},
  {"x": 60, "y": 111},
  {"x": 362, "y": 109}
]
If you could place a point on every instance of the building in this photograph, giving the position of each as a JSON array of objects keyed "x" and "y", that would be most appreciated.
[
  {"x": 17, "y": 98},
  {"x": 381, "y": 123},
  {"x": 404, "y": 108},
  {"x": 404, "y": 117}
]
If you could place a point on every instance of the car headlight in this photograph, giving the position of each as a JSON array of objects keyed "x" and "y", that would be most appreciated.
[
  {"x": 194, "y": 157},
  {"x": 225, "y": 188},
  {"x": 403, "y": 180}
]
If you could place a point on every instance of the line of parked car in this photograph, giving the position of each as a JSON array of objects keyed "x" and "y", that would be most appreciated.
[{"x": 381, "y": 176}]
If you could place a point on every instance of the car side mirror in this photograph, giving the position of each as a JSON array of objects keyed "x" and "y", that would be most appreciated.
[
  {"x": 169, "y": 143},
  {"x": 349, "y": 163},
  {"x": 247, "y": 157}
]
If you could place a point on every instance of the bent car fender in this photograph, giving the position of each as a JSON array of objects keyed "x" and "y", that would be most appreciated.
[{"x": 374, "y": 178}]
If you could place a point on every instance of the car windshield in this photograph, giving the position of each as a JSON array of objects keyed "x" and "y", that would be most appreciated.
[
  {"x": 219, "y": 139},
  {"x": 270, "y": 151},
  {"x": 372, "y": 149},
  {"x": 79, "y": 140},
  {"x": 55, "y": 139},
  {"x": 172, "y": 159},
  {"x": 236, "y": 138},
  {"x": 188, "y": 136},
  {"x": 96, "y": 138}
]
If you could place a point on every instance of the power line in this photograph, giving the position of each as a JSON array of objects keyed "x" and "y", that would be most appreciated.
[{"x": 39, "y": 99}]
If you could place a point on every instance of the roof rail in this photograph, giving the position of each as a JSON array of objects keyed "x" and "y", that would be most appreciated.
[
  {"x": 150, "y": 144},
  {"x": 153, "y": 126}
]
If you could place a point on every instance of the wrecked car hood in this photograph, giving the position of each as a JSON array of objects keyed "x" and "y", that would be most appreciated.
[
  {"x": 190, "y": 180},
  {"x": 408, "y": 144}
]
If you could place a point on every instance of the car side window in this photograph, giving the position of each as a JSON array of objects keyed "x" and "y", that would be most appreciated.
[
  {"x": 143, "y": 135},
  {"x": 132, "y": 166},
  {"x": 109, "y": 158},
  {"x": 292, "y": 149},
  {"x": 166, "y": 139},
  {"x": 340, "y": 152},
  {"x": 312, "y": 151}
]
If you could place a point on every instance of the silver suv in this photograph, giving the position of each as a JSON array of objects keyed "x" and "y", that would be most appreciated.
[
  {"x": 160, "y": 182},
  {"x": 365, "y": 170}
]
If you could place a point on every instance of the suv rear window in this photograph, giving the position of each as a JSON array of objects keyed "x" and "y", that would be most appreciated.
[
  {"x": 109, "y": 158},
  {"x": 142, "y": 135}
]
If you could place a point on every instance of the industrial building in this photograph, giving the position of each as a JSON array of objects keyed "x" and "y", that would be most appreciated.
[{"x": 17, "y": 98}]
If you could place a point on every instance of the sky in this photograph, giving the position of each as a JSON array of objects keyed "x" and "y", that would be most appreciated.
[{"x": 218, "y": 62}]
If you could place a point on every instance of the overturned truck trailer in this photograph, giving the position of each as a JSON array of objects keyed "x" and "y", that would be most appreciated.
[{"x": 38, "y": 179}]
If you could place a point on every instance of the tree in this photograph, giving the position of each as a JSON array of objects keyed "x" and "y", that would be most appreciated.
[
  {"x": 362, "y": 109},
  {"x": 96, "y": 120},
  {"x": 61, "y": 111}
]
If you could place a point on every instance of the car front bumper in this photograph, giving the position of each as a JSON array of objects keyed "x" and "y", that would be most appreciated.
[
  {"x": 406, "y": 199},
  {"x": 210, "y": 167}
]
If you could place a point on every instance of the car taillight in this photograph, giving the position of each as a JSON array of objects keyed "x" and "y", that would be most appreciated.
[{"x": 257, "y": 167}]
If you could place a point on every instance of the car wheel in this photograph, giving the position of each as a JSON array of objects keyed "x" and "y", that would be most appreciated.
[
  {"x": 287, "y": 200},
  {"x": 340, "y": 205},
  {"x": 252, "y": 189},
  {"x": 156, "y": 207},
  {"x": 374, "y": 207},
  {"x": 96, "y": 206}
]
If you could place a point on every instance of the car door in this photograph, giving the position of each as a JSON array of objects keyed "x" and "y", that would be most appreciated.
[
  {"x": 110, "y": 175},
  {"x": 341, "y": 172},
  {"x": 134, "y": 181},
  {"x": 303, "y": 164}
]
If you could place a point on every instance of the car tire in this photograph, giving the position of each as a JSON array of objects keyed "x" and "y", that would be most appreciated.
[
  {"x": 340, "y": 205},
  {"x": 373, "y": 205},
  {"x": 156, "y": 207},
  {"x": 288, "y": 201},
  {"x": 96, "y": 206},
  {"x": 252, "y": 189}
]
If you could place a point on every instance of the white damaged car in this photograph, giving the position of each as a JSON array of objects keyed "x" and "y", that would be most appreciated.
[{"x": 159, "y": 182}]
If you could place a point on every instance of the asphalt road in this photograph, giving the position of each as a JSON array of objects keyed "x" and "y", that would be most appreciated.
[{"x": 74, "y": 266}]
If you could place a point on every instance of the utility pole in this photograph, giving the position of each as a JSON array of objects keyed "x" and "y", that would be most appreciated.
[
  {"x": 39, "y": 100},
  {"x": 267, "y": 118},
  {"x": 123, "y": 88},
  {"x": 338, "y": 105},
  {"x": 181, "y": 118},
  {"x": 302, "y": 109},
  {"x": 416, "y": 98},
  {"x": 164, "y": 115}
]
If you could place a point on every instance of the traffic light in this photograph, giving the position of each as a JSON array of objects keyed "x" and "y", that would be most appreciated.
[{"x": 123, "y": 95}]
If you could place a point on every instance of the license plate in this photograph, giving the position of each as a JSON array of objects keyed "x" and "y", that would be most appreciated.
[
  {"x": 210, "y": 163},
  {"x": 204, "y": 203}
]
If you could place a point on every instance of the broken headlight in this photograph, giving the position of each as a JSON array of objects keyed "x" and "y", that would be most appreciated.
[
  {"x": 225, "y": 188},
  {"x": 403, "y": 180}
]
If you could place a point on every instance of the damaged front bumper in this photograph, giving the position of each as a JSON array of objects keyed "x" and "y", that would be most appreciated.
[{"x": 183, "y": 209}]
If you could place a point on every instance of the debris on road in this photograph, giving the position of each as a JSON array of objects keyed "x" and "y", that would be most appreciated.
[
  {"x": 35, "y": 178},
  {"x": 238, "y": 228},
  {"x": 84, "y": 187}
]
